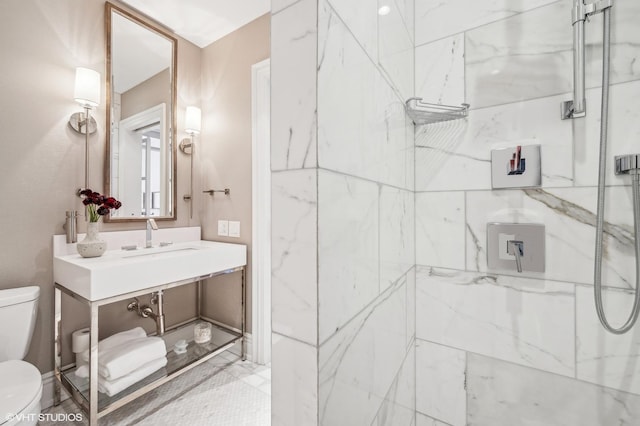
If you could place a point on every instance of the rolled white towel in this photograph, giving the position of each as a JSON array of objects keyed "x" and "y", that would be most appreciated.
[
  {"x": 116, "y": 340},
  {"x": 112, "y": 387},
  {"x": 129, "y": 356}
]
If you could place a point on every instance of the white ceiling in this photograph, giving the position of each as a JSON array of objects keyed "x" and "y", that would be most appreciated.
[{"x": 202, "y": 21}]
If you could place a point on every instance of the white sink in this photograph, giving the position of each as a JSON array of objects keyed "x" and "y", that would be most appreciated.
[
  {"x": 119, "y": 272},
  {"x": 160, "y": 251}
]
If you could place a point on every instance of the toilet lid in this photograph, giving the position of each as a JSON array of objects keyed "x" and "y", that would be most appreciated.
[{"x": 20, "y": 384}]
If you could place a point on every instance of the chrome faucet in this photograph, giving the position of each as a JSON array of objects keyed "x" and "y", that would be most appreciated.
[{"x": 151, "y": 226}]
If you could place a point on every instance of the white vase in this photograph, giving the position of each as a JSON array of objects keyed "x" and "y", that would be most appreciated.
[{"x": 92, "y": 245}]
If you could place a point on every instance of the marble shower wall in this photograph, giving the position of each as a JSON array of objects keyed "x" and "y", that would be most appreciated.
[
  {"x": 497, "y": 347},
  {"x": 343, "y": 232},
  {"x": 366, "y": 230}
]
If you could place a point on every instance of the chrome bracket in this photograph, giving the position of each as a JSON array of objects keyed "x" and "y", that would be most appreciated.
[
  {"x": 567, "y": 111},
  {"x": 627, "y": 164}
]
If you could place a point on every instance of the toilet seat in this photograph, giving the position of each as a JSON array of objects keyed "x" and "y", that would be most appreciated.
[{"x": 20, "y": 389}]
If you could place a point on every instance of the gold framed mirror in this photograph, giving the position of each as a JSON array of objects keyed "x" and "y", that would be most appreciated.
[{"x": 140, "y": 160}]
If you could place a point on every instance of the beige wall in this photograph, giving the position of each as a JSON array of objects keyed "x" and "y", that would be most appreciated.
[
  {"x": 42, "y": 158},
  {"x": 226, "y": 145},
  {"x": 149, "y": 93}
]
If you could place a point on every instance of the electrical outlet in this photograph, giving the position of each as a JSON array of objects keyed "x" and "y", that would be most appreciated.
[
  {"x": 223, "y": 228},
  {"x": 234, "y": 229}
]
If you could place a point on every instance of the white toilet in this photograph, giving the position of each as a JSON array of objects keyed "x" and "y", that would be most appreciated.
[{"x": 20, "y": 382}]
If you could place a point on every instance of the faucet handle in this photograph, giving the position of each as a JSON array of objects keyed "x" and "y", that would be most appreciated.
[
  {"x": 152, "y": 223},
  {"x": 516, "y": 248}
]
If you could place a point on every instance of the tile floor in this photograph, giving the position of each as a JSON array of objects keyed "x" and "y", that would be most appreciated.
[{"x": 223, "y": 391}]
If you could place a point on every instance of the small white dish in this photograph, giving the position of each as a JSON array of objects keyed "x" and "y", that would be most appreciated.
[{"x": 180, "y": 347}]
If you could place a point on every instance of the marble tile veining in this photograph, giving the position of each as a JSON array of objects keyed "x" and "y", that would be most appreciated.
[
  {"x": 440, "y": 229},
  {"x": 504, "y": 394},
  {"x": 295, "y": 382},
  {"x": 294, "y": 285},
  {"x": 348, "y": 275},
  {"x": 398, "y": 407},
  {"x": 440, "y": 382},
  {"x": 569, "y": 226},
  {"x": 436, "y": 19},
  {"x": 396, "y": 50},
  {"x": 530, "y": 55},
  {"x": 364, "y": 133},
  {"x": 359, "y": 363},
  {"x": 456, "y": 155},
  {"x": 602, "y": 357},
  {"x": 440, "y": 71},
  {"x": 397, "y": 236},
  {"x": 525, "y": 321},
  {"x": 294, "y": 42}
]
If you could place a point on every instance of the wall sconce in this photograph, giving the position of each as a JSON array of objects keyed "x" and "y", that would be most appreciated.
[
  {"x": 87, "y": 94},
  {"x": 192, "y": 124}
]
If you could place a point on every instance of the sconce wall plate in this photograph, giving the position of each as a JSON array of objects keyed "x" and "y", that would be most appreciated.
[
  {"x": 77, "y": 123},
  {"x": 186, "y": 146}
]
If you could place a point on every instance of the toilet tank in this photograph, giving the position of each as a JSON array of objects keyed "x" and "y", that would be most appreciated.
[{"x": 18, "y": 310}]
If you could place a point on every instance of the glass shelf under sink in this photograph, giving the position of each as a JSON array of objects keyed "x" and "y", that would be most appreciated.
[{"x": 221, "y": 339}]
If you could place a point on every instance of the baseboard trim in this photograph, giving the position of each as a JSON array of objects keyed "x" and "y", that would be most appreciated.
[{"x": 48, "y": 383}]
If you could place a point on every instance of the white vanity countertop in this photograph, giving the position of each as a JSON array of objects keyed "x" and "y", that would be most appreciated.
[{"x": 118, "y": 271}]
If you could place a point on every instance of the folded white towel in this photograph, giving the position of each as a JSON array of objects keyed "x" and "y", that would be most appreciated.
[
  {"x": 116, "y": 340},
  {"x": 112, "y": 387},
  {"x": 129, "y": 356},
  {"x": 125, "y": 358}
]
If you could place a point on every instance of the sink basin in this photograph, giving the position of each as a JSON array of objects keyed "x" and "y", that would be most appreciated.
[
  {"x": 156, "y": 252},
  {"x": 119, "y": 272}
]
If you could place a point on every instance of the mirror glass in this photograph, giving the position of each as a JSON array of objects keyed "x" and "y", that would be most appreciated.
[{"x": 141, "y": 87}]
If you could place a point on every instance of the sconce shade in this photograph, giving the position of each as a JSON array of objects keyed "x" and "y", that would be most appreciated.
[
  {"x": 192, "y": 120},
  {"x": 87, "y": 89}
]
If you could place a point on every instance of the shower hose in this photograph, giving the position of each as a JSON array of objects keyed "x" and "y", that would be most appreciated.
[{"x": 635, "y": 175}]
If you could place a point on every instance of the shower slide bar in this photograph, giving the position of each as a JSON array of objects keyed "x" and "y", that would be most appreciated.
[{"x": 577, "y": 107}]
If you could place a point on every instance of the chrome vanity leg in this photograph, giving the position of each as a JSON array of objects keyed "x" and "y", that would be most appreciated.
[
  {"x": 244, "y": 314},
  {"x": 93, "y": 368},
  {"x": 57, "y": 346},
  {"x": 199, "y": 299}
]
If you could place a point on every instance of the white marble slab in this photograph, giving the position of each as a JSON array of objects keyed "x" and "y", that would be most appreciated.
[
  {"x": 456, "y": 155},
  {"x": 422, "y": 420},
  {"x": 440, "y": 382},
  {"x": 294, "y": 42},
  {"x": 397, "y": 234},
  {"x": 528, "y": 322},
  {"x": 624, "y": 133},
  {"x": 411, "y": 306},
  {"x": 278, "y": 5},
  {"x": 440, "y": 71},
  {"x": 360, "y": 362},
  {"x": 294, "y": 383},
  {"x": 294, "y": 227},
  {"x": 602, "y": 357},
  {"x": 396, "y": 50},
  {"x": 361, "y": 18},
  {"x": 503, "y": 394},
  {"x": 440, "y": 229},
  {"x": 398, "y": 407},
  {"x": 407, "y": 11},
  {"x": 570, "y": 230},
  {"x": 436, "y": 19},
  {"x": 530, "y": 55},
  {"x": 348, "y": 256},
  {"x": 362, "y": 129}
]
